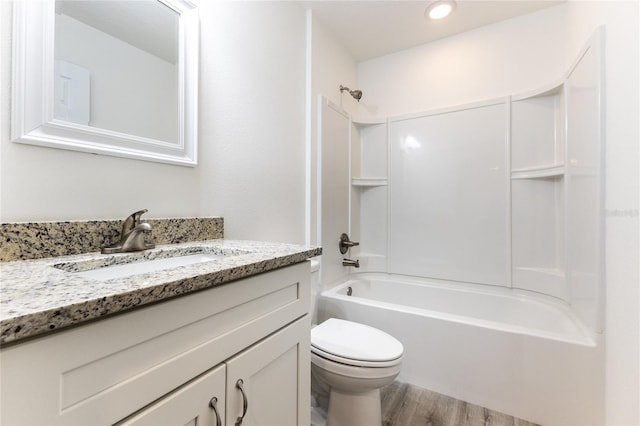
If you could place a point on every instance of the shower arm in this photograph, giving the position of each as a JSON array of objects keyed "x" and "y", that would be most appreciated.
[{"x": 356, "y": 94}]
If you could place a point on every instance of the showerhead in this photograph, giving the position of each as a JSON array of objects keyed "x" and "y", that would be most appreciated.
[{"x": 357, "y": 94}]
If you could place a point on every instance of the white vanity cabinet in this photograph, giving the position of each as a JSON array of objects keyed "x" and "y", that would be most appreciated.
[
  {"x": 164, "y": 363},
  {"x": 275, "y": 391},
  {"x": 198, "y": 403}
]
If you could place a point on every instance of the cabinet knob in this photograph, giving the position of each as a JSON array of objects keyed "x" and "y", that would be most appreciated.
[
  {"x": 213, "y": 403},
  {"x": 245, "y": 402}
]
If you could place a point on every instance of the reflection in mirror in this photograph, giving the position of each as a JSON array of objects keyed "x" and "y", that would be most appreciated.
[
  {"x": 116, "y": 66},
  {"x": 116, "y": 77}
]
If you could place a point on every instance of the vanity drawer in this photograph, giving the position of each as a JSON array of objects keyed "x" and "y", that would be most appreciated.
[{"x": 103, "y": 371}]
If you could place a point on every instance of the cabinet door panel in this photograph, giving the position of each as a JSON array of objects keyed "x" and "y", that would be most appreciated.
[
  {"x": 188, "y": 405},
  {"x": 275, "y": 376}
]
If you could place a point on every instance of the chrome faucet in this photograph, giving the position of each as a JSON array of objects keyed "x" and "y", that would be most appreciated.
[
  {"x": 132, "y": 235},
  {"x": 350, "y": 262}
]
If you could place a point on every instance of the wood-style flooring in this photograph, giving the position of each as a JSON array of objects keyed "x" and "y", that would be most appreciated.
[{"x": 408, "y": 405}]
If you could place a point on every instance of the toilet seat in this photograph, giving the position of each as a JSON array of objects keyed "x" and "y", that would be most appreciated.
[
  {"x": 354, "y": 362},
  {"x": 355, "y": 344}
]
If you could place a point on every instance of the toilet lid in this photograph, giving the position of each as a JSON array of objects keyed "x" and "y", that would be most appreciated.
[{"x": 355, "y": 341}]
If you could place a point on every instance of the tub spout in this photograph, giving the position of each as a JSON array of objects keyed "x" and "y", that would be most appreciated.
[{"x": 350, "y": 262}]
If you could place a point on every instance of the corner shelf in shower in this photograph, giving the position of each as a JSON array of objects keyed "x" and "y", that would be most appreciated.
[
  {"x": 368, "y": 121},
  {"x": 537, "y": 132},
  {"x": 538, "y": 158},
  {"x": 369, "y": 191},
  {"x": 369, "y": 181}
]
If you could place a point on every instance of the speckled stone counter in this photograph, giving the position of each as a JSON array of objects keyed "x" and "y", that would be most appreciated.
[
  {"x": 38, "y": 296},
  {"x": 37, "y": 240}
]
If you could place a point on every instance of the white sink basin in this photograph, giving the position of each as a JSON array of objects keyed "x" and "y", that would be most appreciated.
[{"x": 129, "y": 269}]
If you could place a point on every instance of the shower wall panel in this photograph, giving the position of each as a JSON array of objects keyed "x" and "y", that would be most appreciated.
[
  {"x": 333, "y": 203},
  {"x": 585, "y": 196},
  {"x": 448, "y": 195}
]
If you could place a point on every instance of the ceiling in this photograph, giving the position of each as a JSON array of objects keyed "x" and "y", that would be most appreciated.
[
  {"x": 367, "y": 28},
  {"x": 372, "y": 28}
]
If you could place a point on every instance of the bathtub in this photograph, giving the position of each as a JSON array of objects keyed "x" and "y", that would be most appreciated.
[{"x": 524, "y": 354}]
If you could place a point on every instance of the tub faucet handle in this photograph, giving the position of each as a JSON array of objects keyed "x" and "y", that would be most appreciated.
[{"x": 345, "y": 243}]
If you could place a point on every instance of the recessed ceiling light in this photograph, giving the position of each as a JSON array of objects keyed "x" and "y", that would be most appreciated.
[{"x": 440, "y": 9}]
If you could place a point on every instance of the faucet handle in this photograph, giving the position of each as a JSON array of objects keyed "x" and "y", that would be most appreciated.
[
  {"x": 136, "y": 216},
  {"x": 345, "y": 243},
  {"x": 132, "y": 221},
  {"x": 132, "y": 236}
]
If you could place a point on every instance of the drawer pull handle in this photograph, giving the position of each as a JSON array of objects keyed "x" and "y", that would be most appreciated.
[
  {"x": 245, "y": 402},
  {"x": 213, "y": 404}
]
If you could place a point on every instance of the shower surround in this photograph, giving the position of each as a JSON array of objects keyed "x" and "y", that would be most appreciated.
[{"x": 493, "y": 211}]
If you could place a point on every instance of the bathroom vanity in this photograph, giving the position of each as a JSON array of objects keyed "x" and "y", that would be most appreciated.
[{"x": 234, "y": 344}]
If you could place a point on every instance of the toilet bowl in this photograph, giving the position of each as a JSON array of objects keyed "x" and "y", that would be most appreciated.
[{"x": 354, "y": 361}]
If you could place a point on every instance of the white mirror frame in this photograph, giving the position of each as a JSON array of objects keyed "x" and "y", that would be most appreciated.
[{"x": 32, "y": 120}]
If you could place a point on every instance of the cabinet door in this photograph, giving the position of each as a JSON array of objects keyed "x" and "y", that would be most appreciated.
[
  {"x": 275, "y": 377},
  {"x": 190, "y": 405}
]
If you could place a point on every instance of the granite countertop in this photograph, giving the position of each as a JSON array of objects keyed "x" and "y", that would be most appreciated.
[{"x": 39, "y": 296}]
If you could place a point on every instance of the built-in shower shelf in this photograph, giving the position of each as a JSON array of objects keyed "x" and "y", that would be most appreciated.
[
  {"x": 368, "y": 121},
  {"x": 369, "y": 181},
  {"x": 542, "y": 172}
]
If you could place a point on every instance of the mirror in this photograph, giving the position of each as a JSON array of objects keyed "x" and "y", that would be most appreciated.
[
  {"x": 115, "y": 77},
  {"x": 116, "y": 66}
]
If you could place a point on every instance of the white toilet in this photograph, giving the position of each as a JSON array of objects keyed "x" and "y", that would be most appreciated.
[{"x": 354, "y": 361}]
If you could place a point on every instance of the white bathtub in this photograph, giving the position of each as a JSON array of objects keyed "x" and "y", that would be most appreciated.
[{"x": 517, "y": 352}]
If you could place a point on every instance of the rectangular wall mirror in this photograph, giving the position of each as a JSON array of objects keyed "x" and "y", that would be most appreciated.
[{"x": 114, "y": 77}]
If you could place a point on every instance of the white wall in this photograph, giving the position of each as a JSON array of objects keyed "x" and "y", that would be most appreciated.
[
  {"x": 251, "y": 138},
  {"x": 523, "y": 54},
  {"x": 485, "y": 63},
  {"x": 252, "y": 122},
  {"x": 622, "y": 197}
]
